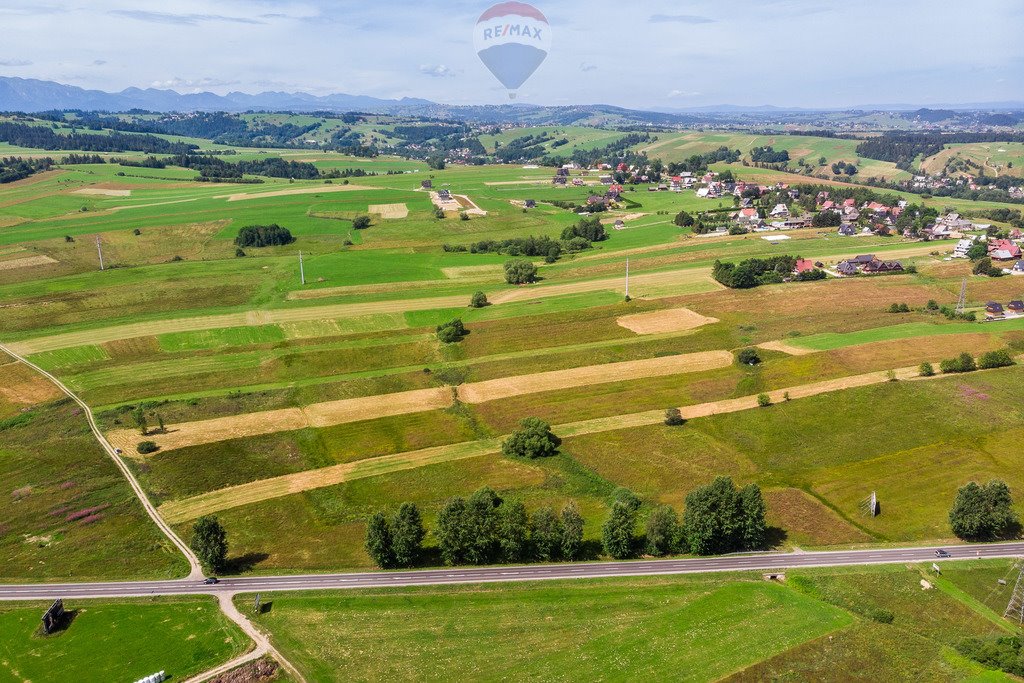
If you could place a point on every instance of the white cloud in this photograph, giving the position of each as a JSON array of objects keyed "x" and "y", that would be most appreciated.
[
  {"x": 192, "y": 84},
  {"x": 437, "y": 71},
  {"x": 15, "y": 62},
  {"x": 675, "y": 94}
]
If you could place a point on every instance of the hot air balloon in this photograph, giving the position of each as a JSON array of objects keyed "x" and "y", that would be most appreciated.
[{"x": 512, "y": 39}]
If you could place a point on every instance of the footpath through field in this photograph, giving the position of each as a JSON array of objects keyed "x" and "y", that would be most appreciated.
[
  {"x": 187, "y": 509},
  {"x": 373, "y": 407}
]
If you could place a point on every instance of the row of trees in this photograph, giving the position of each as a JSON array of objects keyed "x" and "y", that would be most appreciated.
[
  {"x": 754, "y": 272},
  {"x": 396, "y": 541},
  {"x": 42, "y": 137},
  {"x": 16, "y": 168},
  {"x": 484, "y": 529}
]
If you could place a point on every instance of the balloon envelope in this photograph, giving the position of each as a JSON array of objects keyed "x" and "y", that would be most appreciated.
[{"x": 512, "y": 39}]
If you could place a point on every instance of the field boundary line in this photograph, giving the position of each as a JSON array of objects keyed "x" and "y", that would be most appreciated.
[
  {"x": 195, "y": 569},
  {"x": 186, "y": 509},
  {"x": 347, "y": 411}
]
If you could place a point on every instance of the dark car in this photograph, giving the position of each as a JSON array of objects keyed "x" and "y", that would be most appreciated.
[
  {"x": 211, "y": 581},
  {"x": 941, "y": 553}
]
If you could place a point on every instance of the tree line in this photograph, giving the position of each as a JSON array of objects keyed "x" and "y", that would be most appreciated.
[
  {"x": 754, "y": 272},
  {"x": 16, "y": 168},
  {"x": 43, "y": 137}
]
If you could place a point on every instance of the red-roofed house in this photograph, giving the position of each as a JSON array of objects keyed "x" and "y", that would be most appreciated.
[
  {"x": 803, "y": 265},
  {"x": 1004, "y": 250}
]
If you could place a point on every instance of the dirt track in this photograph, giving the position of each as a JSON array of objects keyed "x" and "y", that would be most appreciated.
[{"x": 225, "y": 499}]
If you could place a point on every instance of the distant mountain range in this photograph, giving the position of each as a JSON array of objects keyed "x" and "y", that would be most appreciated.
[{"x": 32, "y": 95}]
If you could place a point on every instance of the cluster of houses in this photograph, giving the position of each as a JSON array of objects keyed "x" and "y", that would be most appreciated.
[
  {"x": 1002, "y": 251},
  {"x": 867, "y": 264},
  {"x": 996, "y": 311}
]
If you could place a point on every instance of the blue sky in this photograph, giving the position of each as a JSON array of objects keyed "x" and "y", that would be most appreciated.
[{"x": 669, "y": 54}]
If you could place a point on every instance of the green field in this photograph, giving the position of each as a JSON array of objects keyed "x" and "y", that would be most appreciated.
[
  {"x": 118, "y": 641},
  {"x": 182, "y": 325},
  {"x": 816, "y": 626}
]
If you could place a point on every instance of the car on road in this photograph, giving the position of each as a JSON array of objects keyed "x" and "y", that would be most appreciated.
[
  {"x": 213, "y": 580},
  {"x": 941, "y": 553}
]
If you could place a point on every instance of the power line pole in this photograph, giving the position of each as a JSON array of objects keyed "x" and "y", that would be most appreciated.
[
  {"x": 302, "y": 270},
  {"x": 1015, "y": 610},
  {"x": 962, "y": 303},
  {"x": 627, "y": 279},
  {"x": 99, "y": 249}
]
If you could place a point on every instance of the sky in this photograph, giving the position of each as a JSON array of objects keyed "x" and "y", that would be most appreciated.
[{"x": 654, "y": 54}]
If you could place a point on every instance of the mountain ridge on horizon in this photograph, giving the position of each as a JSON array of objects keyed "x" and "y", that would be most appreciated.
[{"x": 31, "y": 95}]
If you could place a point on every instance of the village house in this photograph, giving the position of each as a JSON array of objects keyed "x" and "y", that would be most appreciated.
[
  {"x": 444, "y": 195},
  {"x": 1018, "y": 268},
  {"x": 847, "y": 230},
  {"x": 803, "y": 265},
  {"x": 882, "y": 267},
  {"x": 994, "y": 311},
  {"x": 780, "y": 211},
  {"x": 847, "y": 269},
  {"x": 1003, "y": 250},
  {"x": 962, "y": 247},
  {"x": 1015, "y": 309}
]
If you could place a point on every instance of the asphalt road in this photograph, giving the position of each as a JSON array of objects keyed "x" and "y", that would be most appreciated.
[{"x": 765, "y": 562}]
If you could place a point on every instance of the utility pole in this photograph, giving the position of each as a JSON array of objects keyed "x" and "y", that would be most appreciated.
[
  {"x": 99, "y": 249},
  {"x": 627, "y": 278},
  {"x": 302, "y": 270},
  {"x": 962, "y": 304},
  {"x": 1015, "y": 610}
]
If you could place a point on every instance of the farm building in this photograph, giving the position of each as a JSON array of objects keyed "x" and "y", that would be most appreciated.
[
  {"x": 531, "y": 204},
  {"x": 847, "y": 230},
  {"x": 427, "y": 184},
  {"x": 847, "y": 269},
  {"x": 1018, "y": 268}
]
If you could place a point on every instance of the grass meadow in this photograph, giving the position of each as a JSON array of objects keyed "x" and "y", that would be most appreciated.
[
  {"x": 118, "y": 640},
  {"x": 817, "y": 625}
]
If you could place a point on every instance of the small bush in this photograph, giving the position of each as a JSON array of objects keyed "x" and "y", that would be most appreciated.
[
  {"x": 463, "y": 216},
  {"x": 749, "y": 357},
  {"x": 361, "y": 222},
  {"x": 674, "y": 418},
  {"x": 147, "y": 447},
  {"x": 451, "y": 332},
  {"x": 520, "y": 272},
  {"x": 239, "y": 252},
  {"x": 764, "y": 400},
  {"x": 882, "y": 616},
  {"x": 927, "y": 370},
  {"x": 995, "y": 359},
  {"x": 533, "y": 439},
  {"x": 136, "y": 232},
  {"x": 962, "y": 363},
  {"x": 479, "y": 300}
]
